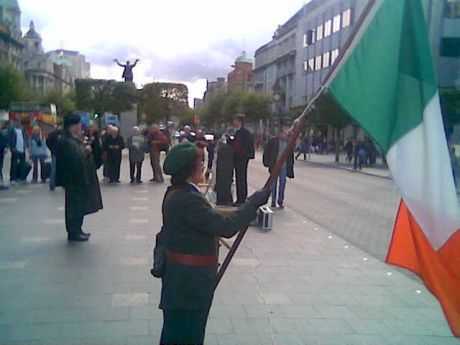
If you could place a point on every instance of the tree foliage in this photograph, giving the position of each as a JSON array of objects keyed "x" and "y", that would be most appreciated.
[
  {"x": 13, "y": 86},
  {"x": 224, "y": 106},
  {"x": 100, "y": 96},
  {"x": 65, "y": 103},
  {"x": 162, "y": 101}
]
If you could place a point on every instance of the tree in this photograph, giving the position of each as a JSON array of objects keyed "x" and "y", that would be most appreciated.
[
  {"x": 256, "y": 107},
  {"x": 100, "y": 96},
  {"x": 329, "y": 113},
  {"x": 13, "y": 86},
  {"x": 213, "y": 111},
  {"x": 161, "y": 101},
  {"x": 65, "y": 103}
]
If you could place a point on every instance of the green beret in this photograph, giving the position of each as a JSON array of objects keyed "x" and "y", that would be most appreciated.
[{"x": 179, "y": 156}]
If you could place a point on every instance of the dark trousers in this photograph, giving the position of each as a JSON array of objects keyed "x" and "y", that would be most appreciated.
[
  {"x": 241, "y": 175},
  {"x": 17, "y": 160},
  {"x": 2, "y": 156},
  {"x": 114, "y": 169},
  {"x": 35, "y": 161},
  {"x": 74, "y": 209},
  {"x": 132, "y": 169},
  {"x": 185, "y": 327}
]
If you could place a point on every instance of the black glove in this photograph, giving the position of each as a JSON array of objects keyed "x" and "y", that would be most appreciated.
[{"x": 260, "y": 197}]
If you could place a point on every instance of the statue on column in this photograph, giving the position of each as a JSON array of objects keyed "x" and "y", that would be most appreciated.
[{"x": 128, "y": 70}]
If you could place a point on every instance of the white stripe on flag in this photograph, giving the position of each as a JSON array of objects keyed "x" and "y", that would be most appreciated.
[{"x": 421, "y": 168}]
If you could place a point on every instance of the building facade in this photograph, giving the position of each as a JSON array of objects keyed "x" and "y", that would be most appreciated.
[
  {"x": 11, "y": 46},
  {"x": 241, "y": 78},
  {"x": 74, "y": 62},
  {"x": 214, "y": 88},
  {"x": 293, "y": 65},
  {"x": 42, "y": 74}
]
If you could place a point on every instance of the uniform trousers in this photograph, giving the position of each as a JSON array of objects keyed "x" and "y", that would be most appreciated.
[
  {"x": 75, "y": 200},
  {"x": 184, "y": 327},
  {"x": 241, "y": 175}
]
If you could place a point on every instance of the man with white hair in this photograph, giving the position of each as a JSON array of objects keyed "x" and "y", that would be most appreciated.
[
  {"x": 136, "y": 145},
  {"x": 113, "y": 145}
]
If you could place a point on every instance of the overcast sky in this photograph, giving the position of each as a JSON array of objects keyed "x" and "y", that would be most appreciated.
[{"x": 185, "y": 41}]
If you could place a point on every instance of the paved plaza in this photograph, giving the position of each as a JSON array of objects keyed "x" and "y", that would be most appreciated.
[{"x": 316, "y": 278}]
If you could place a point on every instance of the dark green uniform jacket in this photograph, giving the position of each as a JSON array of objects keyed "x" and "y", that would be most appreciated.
[
  {"x": 76, "y": 172},
  {"x": 190, "y": 226}
]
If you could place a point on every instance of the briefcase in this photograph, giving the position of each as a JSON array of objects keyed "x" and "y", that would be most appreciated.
[{"x": 265, "y": 217}]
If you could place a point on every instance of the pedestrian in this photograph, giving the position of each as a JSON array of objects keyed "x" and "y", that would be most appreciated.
[
  {"x": 453, "y": 159},
  {"x": 136, "y": 144},
  {"x": 93, "y": 138},
  {"x": 105, "y": 164},
  {"x": 38, "y": 153},
  {"x": 349, "y": 150},
  {"x": 189, "y": 238},
  {"x": 224, "y": 173},
  {"x": 17, "y": 141},
  {"x": 272, "y": 154},
  {"x": 211, "y": 149},
  {"x": 188, "y": 135},
  {"x": 113, "y": 146},
  {"x": 52, "y": 142},
  {"x": 156, "y": 141},
  {"x": 304, "y": 148},
  {"x": 243, "y": 151},
  {"x": 76, "y": 172},
  {"x": 3, "y": 151}
]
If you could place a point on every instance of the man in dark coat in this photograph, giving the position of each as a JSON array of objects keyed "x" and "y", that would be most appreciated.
[
  {"x": 273, "y": 152},
  {"x": 76, "y": 172},
  {"x": 243, "y": 151},
  {"x": 113, "y": 145}
]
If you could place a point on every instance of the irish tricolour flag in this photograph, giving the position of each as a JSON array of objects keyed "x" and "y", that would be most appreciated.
[{"x": 385, "y": 81}]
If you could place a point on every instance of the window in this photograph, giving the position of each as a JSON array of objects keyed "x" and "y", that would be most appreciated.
[
  {"x": 311, "y": 65},
  {"x": 318, "y": 62},
  {"x": 452, "y": 9},
  {"x": 327, "y": 28},
  {"x": 346, "y": 18},
  {"x": 334, "y": 55},
  {"x": 319, "y": 32},
  {"x": 336, "y": 23},
  {"x": 326, "y": 59},
  {"x": 450, "y": 47}
]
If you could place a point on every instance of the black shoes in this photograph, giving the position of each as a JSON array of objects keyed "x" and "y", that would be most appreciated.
[{"x": 78, "y": 237}]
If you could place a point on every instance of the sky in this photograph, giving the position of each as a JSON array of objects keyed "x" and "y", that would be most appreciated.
[{"x": 186, "y": 41}]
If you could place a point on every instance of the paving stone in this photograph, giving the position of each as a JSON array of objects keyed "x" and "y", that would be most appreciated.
[{"x": 132, "y": 299}]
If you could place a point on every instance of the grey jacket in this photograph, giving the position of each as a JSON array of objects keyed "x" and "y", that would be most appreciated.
[{"x": 137, "y": 146}]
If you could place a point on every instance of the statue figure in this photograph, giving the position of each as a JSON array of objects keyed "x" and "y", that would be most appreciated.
[{"x": 128, "y": 69}]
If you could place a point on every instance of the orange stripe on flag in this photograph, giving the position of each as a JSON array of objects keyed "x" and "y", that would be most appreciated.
[{"x": 439, "y": 270}]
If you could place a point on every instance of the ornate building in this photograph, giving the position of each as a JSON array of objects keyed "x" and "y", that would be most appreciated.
[
  {"x": 41, "y": 72},
  {"x": 242, "y": 76},
  {"x": 10, "y": 32}
]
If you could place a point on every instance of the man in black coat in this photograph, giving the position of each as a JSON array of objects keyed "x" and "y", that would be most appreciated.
[
  {"x": 75, "y": 171},
  {"x": 243, "y": 151},
  {"x": 273, "y": 152},
  {"x": 113, "y": 145}
]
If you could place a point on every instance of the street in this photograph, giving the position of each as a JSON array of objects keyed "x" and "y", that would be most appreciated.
[{"x": 316, "y": 278}]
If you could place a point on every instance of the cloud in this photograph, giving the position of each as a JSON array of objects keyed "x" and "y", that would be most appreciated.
[{"x": 176, "y": 40}]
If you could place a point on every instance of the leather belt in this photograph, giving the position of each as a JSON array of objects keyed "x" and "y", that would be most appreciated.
[{"x": 192, "y": 260}]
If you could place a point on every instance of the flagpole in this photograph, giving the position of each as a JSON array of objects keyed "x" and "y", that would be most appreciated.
[{"x": 296, "y": 129}]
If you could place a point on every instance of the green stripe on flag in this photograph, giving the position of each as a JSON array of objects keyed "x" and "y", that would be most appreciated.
[{"x": 387, "y": 80}]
